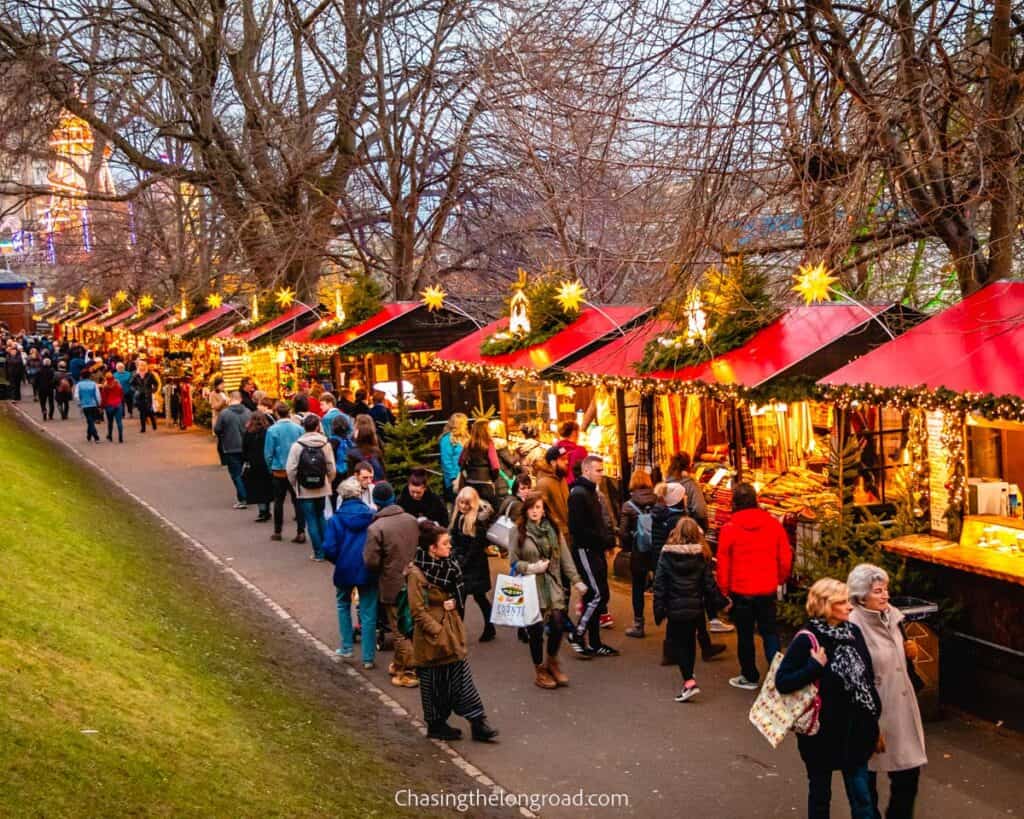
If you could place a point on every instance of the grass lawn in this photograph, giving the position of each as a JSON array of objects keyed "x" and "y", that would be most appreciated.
[{"x": 128, "y": 687}]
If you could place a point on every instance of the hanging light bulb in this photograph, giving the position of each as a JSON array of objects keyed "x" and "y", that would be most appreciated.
[{"x": 339, "y": 309}]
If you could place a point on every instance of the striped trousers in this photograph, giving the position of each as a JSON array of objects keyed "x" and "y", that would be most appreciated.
[{"x": 447, "y": 688}]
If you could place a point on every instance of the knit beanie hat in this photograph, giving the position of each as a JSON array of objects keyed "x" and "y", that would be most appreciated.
[{"x": 383, "y": 494}]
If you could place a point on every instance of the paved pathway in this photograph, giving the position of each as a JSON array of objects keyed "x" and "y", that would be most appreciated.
[{"x": 616, "y": 729}]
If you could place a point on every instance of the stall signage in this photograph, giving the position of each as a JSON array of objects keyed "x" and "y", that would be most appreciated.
[{"x": 938, "y": 470}]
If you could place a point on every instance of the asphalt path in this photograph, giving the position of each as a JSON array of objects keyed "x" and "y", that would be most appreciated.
[{"x": 614, "y": 730}]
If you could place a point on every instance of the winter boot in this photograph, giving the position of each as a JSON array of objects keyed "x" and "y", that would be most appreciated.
[
  {"x": 482, "y": 732},
  {"x": 555, "y": 670},
  {"x": 442, "y": 730},
  {"x": 544, "y": 678},
  {"x": 637, "y": 629},
  {"x": 489, "y": 633}
]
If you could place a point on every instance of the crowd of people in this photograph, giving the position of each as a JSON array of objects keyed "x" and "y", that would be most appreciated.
[{"x": 407, "y": 563}]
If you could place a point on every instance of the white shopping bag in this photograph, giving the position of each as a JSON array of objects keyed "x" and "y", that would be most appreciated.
[{"x": 515, "y": 601}]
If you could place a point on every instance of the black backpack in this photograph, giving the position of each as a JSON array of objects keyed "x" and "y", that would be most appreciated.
[{"x": 312, "y": 471}]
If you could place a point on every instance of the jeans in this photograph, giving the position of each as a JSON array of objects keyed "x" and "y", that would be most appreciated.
[
  {"x": 235, "y": 471},
  {"x": 681, "y": 636},
  {"x": 313, "y": 512},
  {"x": 367, "y": 618},
  {"x": 902, "y": 793},
  {"x": 282, "y": 490},
  {"x": 746, "y": 611},
  {"x": 92, "y": 415},
  {"x": 114, "y": 415},
  {"x": 858, "y": 792},
  {"x": 129, "y": 402}
]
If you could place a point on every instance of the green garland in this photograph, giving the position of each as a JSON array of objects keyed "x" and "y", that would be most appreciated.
[
  {"x": 736, "y": 305},
  {"x": 363, "y": 299},
  {"x": 547, "y": 318}
]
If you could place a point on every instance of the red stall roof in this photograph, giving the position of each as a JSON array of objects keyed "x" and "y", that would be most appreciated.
[
  {"x": 112, "y": 321},
  {"x": 200, "y": 321},
  {"x": 591, "y": 326},
  {"x": 387, "y": 314},
  {"x": 796, "y": 335},
  {"x": 153, "y": 321},
  {"x": 974, "y": 346},
  {"x": 254, "y": 333}
]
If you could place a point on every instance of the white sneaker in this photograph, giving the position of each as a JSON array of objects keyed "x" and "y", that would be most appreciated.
[
  {"x": 744, "y": 683},
  {"x": 716, "y": 626},
  {"x": 240, "y": 505},
  {"x": 342, "y": 653},
  {"x": 687, "y": 694}
]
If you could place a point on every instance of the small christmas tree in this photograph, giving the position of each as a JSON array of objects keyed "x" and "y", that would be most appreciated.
[{"x": 408, "y": 445}]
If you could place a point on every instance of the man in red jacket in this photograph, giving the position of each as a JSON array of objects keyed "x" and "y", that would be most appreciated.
[{"x": 754, "y": 558}]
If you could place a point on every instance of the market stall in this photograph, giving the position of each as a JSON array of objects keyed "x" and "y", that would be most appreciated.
[
  {"x": 253, "y": 348},
  {"x": 529, "y": 382},
  {"x": 959, "y": 378},
  {"x": 390, "y": 351}
]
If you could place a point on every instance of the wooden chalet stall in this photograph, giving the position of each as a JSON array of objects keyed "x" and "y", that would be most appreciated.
[
  {"x": 15, "y": 301},
  {"x": 247, "y": 349},
  {"x": 391, "y": 351},
  {"x": 746, "y": 414},
  {"x": 959, "y": 377},
  {"x": 529, "y": 385}
]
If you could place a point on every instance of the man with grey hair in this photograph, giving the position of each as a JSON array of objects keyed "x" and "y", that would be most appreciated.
[{"x": 230, "y": 429}]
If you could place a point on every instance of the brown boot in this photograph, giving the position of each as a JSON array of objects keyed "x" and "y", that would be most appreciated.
[
  {"x": 555, "y": 670},
  {"x": 544, "y": 679}
]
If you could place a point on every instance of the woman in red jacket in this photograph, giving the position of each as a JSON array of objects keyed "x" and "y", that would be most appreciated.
[
  {"x": 754, "y": 559},
  {"x": 112, "y": 401}
]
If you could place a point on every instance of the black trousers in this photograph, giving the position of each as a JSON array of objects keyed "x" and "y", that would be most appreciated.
[
  {"x": 483, "y": 603},
  {"x": 593, "y": 567},
  {"x": 282, "y": 490},
  {"x": 902, "y": 793},
  {"x": 129, "y": 402},
  {"x": 641, "y": 564},
  {"x": 64, "y": 405},
  {"x": 748, "y": 611},
  {"x": 536, "y": 634},
  {"x": 681, "y": 637},
  {"x": 145, "y": 408},
  {"x": 46, "y": 400}
]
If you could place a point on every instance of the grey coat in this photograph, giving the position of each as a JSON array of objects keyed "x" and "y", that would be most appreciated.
[{"x": 230, "y": 428}]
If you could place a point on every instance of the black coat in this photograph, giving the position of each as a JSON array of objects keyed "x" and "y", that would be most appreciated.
[
  {"x": 45, "y": 380},
  {"x": 587, "y": 523},
  {"x": 470, "y": 552},
  {"x": 848, "y": 733},
  {"x": 258, "y": 481},
  {"x": 430, "y": 506},
  {"x": 684, "y": 584}
]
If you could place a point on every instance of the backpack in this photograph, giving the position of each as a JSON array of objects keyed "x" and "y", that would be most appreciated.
[
  {"x": 64, "y": 385},
  {"x": 341, "y": 447},
  {"x": 312, "y": 471},
  {"x": 643, "y": 535}
]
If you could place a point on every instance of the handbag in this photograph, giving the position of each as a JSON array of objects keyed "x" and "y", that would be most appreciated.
[
  {"x": 503, "y": 533},
  {"x": 775, "y": 714},
  {"x": 516, "y": 602}
]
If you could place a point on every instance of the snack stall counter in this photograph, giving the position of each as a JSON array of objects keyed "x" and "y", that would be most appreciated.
[{"x": 957, "y": 373}]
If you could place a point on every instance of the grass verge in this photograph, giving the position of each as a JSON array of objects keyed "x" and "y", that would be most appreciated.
[{"x": 129, "y": 688}]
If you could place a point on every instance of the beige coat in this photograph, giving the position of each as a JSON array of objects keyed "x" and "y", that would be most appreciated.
[{"x": 900, "y": 722}]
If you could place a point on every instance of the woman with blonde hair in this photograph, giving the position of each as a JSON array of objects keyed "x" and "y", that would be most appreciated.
[
  {"x": 469, "y": 549},
  {"x": 684, "y": 590},
  {"x": 453, "y": 439},
  {"x": 831, "y": 652},
  {"x": 891, "y": 655}
]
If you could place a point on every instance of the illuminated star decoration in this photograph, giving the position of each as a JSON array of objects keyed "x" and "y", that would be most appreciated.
[
  {"x": 433, "y": 297},
  {"x": 83, "y": 302},
  {"x": 146, "y": 302},
  {"x": 120, "y": 297},
  {"x": 284, "y": 297},
  {"x": 814, "y": 283},
  {"x": 214, "y": 300},
  {"x": 570, "y": 295},
  {"x": 51, "y": 300}
]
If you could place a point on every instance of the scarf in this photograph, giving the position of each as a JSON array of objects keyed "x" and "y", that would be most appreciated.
[
  {"x": 544, "y": 536},
  {"x": 848, "y": 665},
  {"x": 445, "y": 573}
]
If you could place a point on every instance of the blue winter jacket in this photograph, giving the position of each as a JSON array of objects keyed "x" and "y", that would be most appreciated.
[
  {"x": 282, "y": 434},
  {"x": 344, "y": 541},
  {"x": 450, "y": 452}
]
